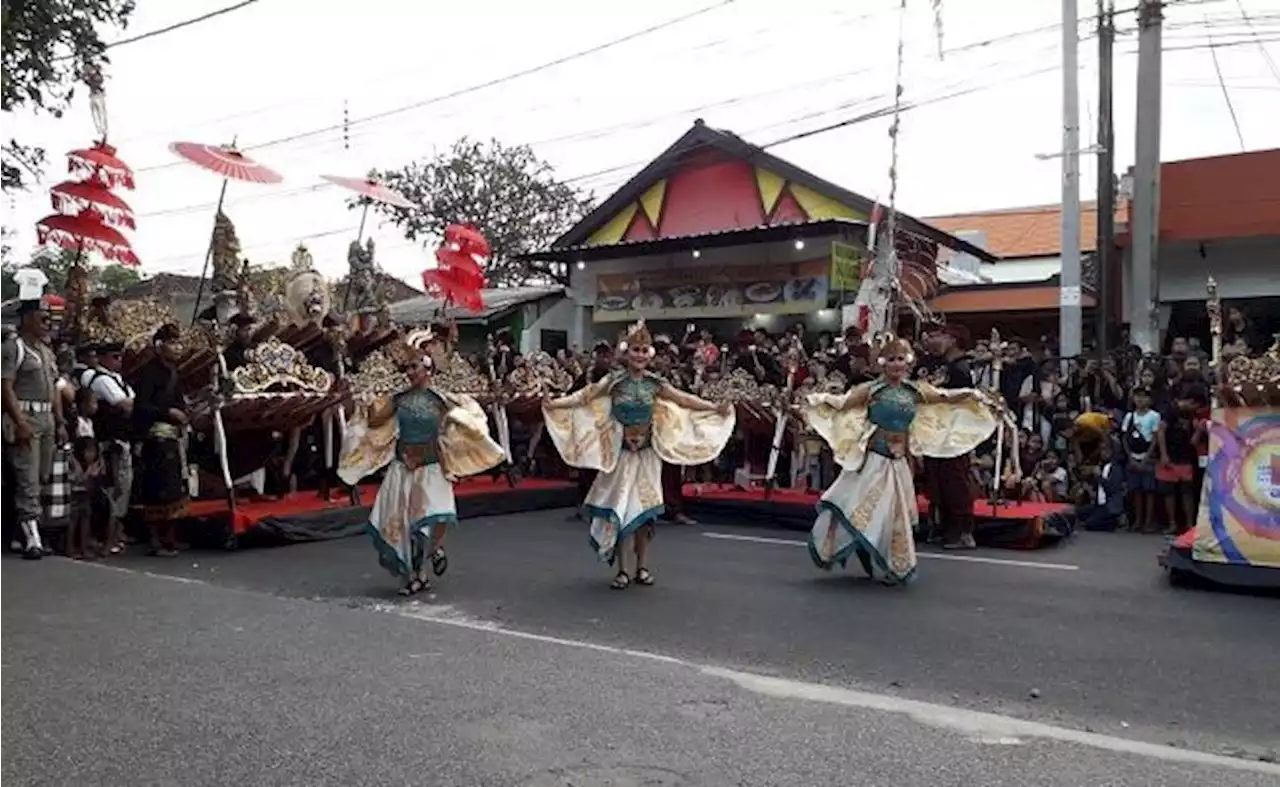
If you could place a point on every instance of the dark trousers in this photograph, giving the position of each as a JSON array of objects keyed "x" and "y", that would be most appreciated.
[
  {"x": 950, "y": 495},
  {"x": 673, "y": 489},
  {"x": 585, "y": 479}
]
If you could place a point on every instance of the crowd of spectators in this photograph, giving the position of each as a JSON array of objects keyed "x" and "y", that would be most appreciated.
[{"x": 1122, "y": 438}]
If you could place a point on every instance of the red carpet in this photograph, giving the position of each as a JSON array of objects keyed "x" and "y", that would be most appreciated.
[
  {"x": 251, "y": 511},
  {"x": 982, "y": 509}
]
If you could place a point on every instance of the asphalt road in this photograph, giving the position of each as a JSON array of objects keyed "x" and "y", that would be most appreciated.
[{"x": 743, "y": 666}]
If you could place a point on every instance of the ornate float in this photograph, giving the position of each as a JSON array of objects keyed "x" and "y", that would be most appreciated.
[{"x": 1236, "y": 538}]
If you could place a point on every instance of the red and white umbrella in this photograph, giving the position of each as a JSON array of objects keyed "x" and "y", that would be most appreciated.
[
  {"x": 226, "y": 161},
  {"x": 74, "y": 196},
  {"x": 462, "y": 266},
  {"x": 231, "y": 164},
  {"x": 373, "y": 189},
  {"x": 101, "y": 160},
  {"x": 86, "y": 232},
  {"x": 452, "y": 288}
]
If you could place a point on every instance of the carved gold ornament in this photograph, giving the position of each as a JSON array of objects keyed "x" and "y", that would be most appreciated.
[
  {"x": 379, "y": 375},
  {"x": 1256, "y": 381},
  {"x": 456, "y": 376},
  {"x": 274, "y": 363},
  {"x": 539, "y": 374}
]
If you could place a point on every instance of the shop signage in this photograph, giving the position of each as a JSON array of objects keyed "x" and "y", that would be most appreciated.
[
  {"x": 846, "y": 266},
  {"x": 713, "y": 292}
]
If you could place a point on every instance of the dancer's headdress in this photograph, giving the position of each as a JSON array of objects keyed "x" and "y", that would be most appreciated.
[
  {"x": 412, "y": 349},
  {"x": 891, "y": 345},
  {"x": 636, "y": 336}
]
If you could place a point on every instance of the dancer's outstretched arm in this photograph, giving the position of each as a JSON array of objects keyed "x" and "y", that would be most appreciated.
[
  {"x": 857, "y": 396},
  {"x": 691, "y": 402},
  {"x": 381, "y": 412}
]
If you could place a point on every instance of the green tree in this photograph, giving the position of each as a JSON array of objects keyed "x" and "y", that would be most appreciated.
[
  {"x": 49, "y": 45},
  {"x": 55, "y": 263},
  {"x": 510, "y": 194},
  {"x": 114, "y": 279}
]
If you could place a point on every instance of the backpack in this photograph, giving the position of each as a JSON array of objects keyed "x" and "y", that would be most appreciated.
[{"x": 1133, "y": 435}]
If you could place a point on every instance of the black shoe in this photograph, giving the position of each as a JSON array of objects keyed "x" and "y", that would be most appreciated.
[{"x": 32, "y": 553}]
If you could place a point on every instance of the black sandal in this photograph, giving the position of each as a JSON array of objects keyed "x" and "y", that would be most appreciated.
[
  {"x": 439, "y": 562},
  {"x": 644, "y": 577},
  {"x": 621, "y": 582},
  {"x": 414, "y": 587}
]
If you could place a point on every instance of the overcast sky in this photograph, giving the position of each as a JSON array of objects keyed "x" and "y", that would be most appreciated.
[{"x": 756, "y": 67}]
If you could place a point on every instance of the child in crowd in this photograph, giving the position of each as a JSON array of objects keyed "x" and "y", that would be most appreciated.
[
  {"x": 1137, "y": 434},
  {"x": 85, "y": 473},
  {"x": 86, "y": 407},
  {"x": 1106, "y": 513},
  {"x": 1176, "y": 469}
]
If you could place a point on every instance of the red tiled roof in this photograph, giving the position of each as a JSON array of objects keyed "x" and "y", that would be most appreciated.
[
  {"x": 1034, "y": 231},
  {"x": 1236, "y": 196}
]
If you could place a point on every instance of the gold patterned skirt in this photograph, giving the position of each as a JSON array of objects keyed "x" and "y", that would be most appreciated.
[
  {"x": 625, "y": 500},
  {"x": 869, "y": 513}
]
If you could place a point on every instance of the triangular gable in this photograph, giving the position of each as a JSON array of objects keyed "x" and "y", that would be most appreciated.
[{"x": 714, "y": 181}]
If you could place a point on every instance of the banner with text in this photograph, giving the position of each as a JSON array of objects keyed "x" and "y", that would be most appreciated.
[
  {"x": 1239, "y": 520},
  {"x": 713, "y": 292},
  {"x": 846, "y": 267}
]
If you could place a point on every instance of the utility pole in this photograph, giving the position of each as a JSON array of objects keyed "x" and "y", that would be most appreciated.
[
  {"x": 1069, "y": 301},
  {"x": 1145, "y": 227},
  {"x": 1104, "y": 250}
]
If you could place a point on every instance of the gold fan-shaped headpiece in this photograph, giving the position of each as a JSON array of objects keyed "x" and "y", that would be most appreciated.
[{"x": 636, "y": 335}]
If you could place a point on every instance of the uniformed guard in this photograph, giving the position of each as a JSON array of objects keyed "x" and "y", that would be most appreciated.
[{"x": 33, "y": 422}]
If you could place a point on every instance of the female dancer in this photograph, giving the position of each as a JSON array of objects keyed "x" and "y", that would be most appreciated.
[
  {"x": 871, "y": 509},
  {"x": 430, "y": 438},
  {"x": 634, "y": 410}
]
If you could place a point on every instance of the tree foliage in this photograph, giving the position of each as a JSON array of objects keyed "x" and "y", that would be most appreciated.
[
  {"x": 55, "y": 263},
  {"x": 510, "y": 194},
  {"x": 49, "y": 45}
]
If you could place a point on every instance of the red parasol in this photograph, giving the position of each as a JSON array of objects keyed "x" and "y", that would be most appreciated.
[
  {"x": 453, "y": 288},
  {"x": 86, "y": 232},
  {"x": 463, "y": 266},
  {"x": 373, "y": 189},
  {"x": 467, "y": 239},
  {"x": 226, "y": 161},
  {"x": 72, "y": 197},
  {"x": 101, "y": 160}
]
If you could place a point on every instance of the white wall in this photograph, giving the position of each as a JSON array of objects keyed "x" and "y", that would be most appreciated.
[
  {"x": 1021, "y": 270},
  {"x": 548, "y": 314},
  {"x": 1247, "y": 268}
]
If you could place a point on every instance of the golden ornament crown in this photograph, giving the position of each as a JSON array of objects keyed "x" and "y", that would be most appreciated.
[{"x": 637, "y": 335}]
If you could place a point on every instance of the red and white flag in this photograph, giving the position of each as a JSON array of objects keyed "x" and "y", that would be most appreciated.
[{"x": 877, "y": 213}]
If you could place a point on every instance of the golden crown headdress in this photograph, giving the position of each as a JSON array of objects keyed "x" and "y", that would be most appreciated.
[{"x": 636, "y": 335}]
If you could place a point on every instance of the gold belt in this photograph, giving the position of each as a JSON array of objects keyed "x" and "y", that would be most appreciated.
[
  {"x": 415, "y": 455},
  {"x": 894, "y": 444},
  {"x": 636, "y": 437},
  {"x": 165, "y": 431}
]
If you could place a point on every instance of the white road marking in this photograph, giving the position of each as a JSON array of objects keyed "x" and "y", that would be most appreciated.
[
  {"x": 999, "y": 561},
  {"x": 978, "y": 726}
]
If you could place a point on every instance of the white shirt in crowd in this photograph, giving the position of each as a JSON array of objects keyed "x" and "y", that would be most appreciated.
[
  {"x": 109, "y": 387},
  {"x": 84, "y": 427},
  {"x": 1102, "y": 484}
]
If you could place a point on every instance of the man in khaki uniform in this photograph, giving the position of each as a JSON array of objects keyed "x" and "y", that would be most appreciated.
[{"x": 32, "y": 420}]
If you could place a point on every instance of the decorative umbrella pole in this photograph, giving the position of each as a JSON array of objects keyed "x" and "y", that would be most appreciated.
[
  {"x": 88, "y": 213},
  {"x": 370, "y": 190},
  {"x": 231, "y": 164}
]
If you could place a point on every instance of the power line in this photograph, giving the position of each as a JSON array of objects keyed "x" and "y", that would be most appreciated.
[
  {"x": 489, "y": 83},
  {"x": 180, "y": 25},
  {"x": 1275, "y": 72},
  {"x": 1226, "y": 94}
]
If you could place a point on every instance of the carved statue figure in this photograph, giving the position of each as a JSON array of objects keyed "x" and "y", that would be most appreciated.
[
  {"x": 362, "y": 279},
  {"x": 306, "y": 294},
  {"x": 227, "y": 267}
]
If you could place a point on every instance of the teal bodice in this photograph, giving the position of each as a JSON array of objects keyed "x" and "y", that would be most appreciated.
[
  {"x": 893, "y": 407},
  {"x": 633, "y": 400},
  {"x": 419, "y": 414}
]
